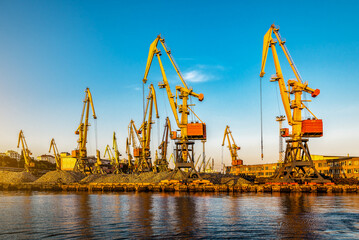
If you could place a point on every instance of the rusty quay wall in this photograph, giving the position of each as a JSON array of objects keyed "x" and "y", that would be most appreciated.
[{"x": 181, "y": 187}]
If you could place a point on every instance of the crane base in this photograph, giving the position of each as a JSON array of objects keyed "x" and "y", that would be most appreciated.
[
  {"x": 298, "y": 165},
  {"x": 82, "y": 165},
  {"x": 184, "y": 162}
]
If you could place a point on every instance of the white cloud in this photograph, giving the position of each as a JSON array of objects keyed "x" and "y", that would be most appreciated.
[{"x": 196, "y": 76}]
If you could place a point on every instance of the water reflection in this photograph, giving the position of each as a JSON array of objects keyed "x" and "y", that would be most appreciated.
[
  {"x": 178, "y": 215},
  {"x": 298, "y": 218},
  {"x": 185, "y": 215},
  {"x": 83, "y": 211}
]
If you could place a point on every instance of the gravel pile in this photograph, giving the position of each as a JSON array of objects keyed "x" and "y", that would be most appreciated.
[
  {"x": 148, "y": 177},
  {"x": 60, "y": 177},
  {"x": 218, "y": 178},
  {"x": 16, "y": 177}
]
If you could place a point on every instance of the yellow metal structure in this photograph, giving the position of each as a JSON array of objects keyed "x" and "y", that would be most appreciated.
[
  {"x": 184, "y": 148},
  {"x": 56, "y": 154},
  {"x": 117, "y": 154},
  {"x": 109, "y": 153},
  {"x": 161, "y": 163},
  {"x": 82, "y": 163},
  {"x": 129, "y": 156},
  {"x": 25, "y": 152},
  {"x": 97, "y": 169},
  {"x": 142, "y": 154},
  {"x": 232, "y": 146},
  {"x": 298, "y": 165},
  {"x": 280, "y": 119}
]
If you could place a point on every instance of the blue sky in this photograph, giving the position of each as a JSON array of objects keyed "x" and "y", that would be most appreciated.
[{"x": 50, "y": 51}]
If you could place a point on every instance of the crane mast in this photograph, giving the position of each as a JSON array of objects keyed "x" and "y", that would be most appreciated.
[
  {"x": 56, "y": 154},
  {"x": 189, "y": 131},
  {"x": 80, "y": 154},
  {"x": 298, "y": 165},
  {"x": 232, "y": 146},
  {"x": 25, "y": 152}
]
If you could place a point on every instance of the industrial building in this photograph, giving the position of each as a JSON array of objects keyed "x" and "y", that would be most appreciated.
[{"x": 333, "y": 166}]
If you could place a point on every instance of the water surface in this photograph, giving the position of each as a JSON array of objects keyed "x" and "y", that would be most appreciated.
[{"x": 178, "y": 215}]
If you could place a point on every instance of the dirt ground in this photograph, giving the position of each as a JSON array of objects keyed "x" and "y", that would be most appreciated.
[{"x": 60, "y": 177}]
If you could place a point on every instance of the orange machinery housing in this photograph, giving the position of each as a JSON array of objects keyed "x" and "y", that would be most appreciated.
[
  {"x": 137, "y": 152},
  {"x": 237, "y": 162},
  {"x": 75, "y": 153},
  {"x": 196, "y": 131},
  {"x": 312, "y": 128}
]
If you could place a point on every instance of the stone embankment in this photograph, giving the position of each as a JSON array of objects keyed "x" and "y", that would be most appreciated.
[{"x": 153, "y": 182}]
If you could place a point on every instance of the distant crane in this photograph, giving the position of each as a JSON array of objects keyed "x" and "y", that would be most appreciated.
[
  {"x": 117, "y": 154},
  {"x": 56, "y": 154},
  {"x": 232, "y": 146},
  {"x": 25, "y": 152},
  {"x": 129, "y": 156},
  {"x": 98, "y": 165},
  {"x": 161, "y": 163},
  {"x": 82, "y": 163},
  {"x": 109, "y": 153}
]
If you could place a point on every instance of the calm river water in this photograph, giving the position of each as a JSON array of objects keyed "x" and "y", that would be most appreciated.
[{"x": 40, "y": 215}]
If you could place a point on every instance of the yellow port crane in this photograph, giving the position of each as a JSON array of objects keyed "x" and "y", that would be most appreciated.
[
  {"x": 133, "y": 134},
  {"x": 189, "y": 131},
  {"x": 161, "y": 162},
  {"x": 129, "y": 156},
  {"x": 232, "y": 146},
  {"x": 25, "y": 152},
  {"x": 117, "y": 154},
  {"x": 97, "y": 169},
  {"x": 142, "y": 154},
  {"x": 82, "y": 163},
  {"x": 298, "y": 165},
  {"x": 56, "y": 154},
  {"x": 109, "y": 153}
]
